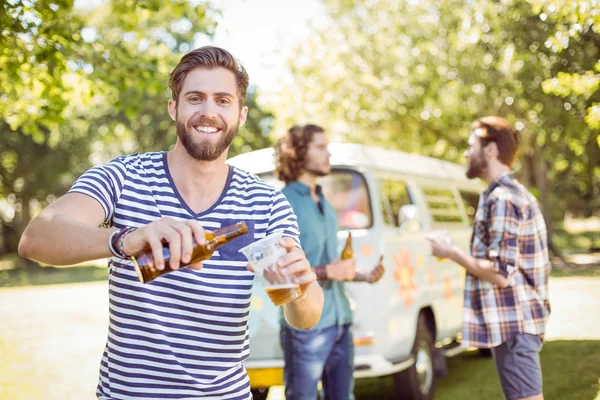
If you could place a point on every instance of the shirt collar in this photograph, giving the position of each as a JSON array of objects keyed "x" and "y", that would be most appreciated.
[
  {"x": 503, "y": 180},
  {"x": 302, "y": 188}
]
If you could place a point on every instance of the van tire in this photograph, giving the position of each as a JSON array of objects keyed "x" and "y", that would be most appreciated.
[
  {"x": 409, "y": 384},
  {"x": 260, "y": 393}
]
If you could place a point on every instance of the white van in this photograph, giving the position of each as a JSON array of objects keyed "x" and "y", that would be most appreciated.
[{"x": 405, "y": 323}]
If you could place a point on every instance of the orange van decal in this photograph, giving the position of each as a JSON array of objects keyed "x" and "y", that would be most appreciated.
[
  {"x": 404, "y": 274},
  {"x": 366, "y": 250},
  {"x": 447, "y": 288}
]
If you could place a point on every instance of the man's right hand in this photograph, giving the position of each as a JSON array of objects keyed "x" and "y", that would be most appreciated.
[
  {"x": 341, "y": 270},
  {"x": 180, "y": 235}
]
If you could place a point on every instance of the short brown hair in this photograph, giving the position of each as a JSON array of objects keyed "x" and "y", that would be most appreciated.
[
  {"x": 208, "y": 57},
  {"x": 291, "y": 149},
  {"x": 498, "y": 130}
]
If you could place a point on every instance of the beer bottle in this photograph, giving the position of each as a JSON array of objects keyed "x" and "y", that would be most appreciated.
[
  {"x": 348, "y": 253},
  {"x": 144, "y": 261}
]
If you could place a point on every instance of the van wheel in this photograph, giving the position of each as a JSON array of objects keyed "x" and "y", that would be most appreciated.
[
  {"x": 260, "y": 393},
  {"x": 418, "y": 381}
]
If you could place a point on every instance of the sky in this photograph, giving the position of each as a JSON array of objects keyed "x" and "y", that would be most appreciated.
[{"x": 260, "y": 33}]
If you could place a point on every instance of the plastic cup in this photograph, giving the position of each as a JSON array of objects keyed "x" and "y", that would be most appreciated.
[
  {"x": 443, "y": 236},
  {"x": 263, "y": 255}
]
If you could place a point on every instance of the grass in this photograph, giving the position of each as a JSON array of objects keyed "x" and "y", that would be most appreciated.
[
  {"x": 568, "y": 241},
  {"x": 571, "y": 370},
  {"x": 590, "y": 270},
  {"x": 52, "y": 275}
]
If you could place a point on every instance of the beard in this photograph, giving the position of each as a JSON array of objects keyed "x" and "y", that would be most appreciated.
[
  {"x": 477, "y": 164},
  {"x": 204, "y": 151},
  {"x": 316, "y": 172}
]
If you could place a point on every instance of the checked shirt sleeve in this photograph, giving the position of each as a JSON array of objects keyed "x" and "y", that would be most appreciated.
[{"x": 504, "y": 227}]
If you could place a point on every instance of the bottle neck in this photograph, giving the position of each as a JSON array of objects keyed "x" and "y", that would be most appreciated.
[{"x": 226, "y": 234}]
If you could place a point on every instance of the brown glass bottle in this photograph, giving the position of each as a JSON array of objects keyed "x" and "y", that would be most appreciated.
[
  {"x": 348, "y": 253},
  {"x": 144, "y": 261}
]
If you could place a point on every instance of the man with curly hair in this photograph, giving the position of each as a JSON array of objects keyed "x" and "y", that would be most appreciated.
[{"x": 325, "y": 352}]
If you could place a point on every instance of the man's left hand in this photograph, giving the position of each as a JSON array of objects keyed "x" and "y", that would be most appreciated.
[
  {"x": 440, "y": 248},
  {"x": 295, "y": 264},
  {"x": 377, "y": 272}
]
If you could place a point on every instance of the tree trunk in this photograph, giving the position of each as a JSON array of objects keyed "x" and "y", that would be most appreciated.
[
  {"x": 538, "y": 174},
  {"x": 20, "y": 222}
]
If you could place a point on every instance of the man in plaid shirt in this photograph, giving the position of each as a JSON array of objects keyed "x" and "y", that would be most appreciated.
[{"x": 506, "y": 304}]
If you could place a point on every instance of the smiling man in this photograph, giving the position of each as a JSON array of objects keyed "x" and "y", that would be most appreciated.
[{"x": 185, "y": 334}]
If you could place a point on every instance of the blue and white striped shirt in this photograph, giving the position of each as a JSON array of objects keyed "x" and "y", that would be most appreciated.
[{"x": 185, "y": 334}]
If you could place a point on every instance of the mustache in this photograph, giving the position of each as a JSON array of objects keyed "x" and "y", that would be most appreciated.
[{"x": 197, "y": 120}]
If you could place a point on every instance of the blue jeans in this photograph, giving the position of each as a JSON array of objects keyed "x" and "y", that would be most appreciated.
[{"x": 325, "y": 355}]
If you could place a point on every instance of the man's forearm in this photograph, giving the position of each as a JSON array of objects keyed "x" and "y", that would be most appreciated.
[
  {"x": 481, "y": 268},
  {"x": 58, "y": 240},
  {"x": 305, "y": 312}
]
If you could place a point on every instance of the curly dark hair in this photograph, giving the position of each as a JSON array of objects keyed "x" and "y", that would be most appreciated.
[{"x": 290, "y": 151}]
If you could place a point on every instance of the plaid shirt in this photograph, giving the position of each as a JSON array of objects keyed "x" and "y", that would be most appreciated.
[{"x": 510, "y": 231}]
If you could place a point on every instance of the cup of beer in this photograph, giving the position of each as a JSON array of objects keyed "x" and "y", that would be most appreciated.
[
  {"x": 442, "y": 235},
  {"x": 263, "y": 255}
]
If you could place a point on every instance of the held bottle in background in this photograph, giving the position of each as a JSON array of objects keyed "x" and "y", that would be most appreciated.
[
  {"x": 144, "y": 262},
  {"x": 348, "y": 253}
]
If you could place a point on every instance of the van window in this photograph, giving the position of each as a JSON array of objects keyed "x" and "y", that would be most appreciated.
[
  {"x": 442, "y": 205},
  {"x": 394, "y": 195},
  {"x": 347, "y": 191},
  {"x": 471, "y": 201}
]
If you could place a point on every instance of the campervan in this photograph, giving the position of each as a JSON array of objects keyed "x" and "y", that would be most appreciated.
[{"x": 408, "y": 322}]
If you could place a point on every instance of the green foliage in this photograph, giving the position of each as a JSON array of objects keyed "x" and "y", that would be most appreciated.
[
  {"x": 255, "y": 134},
  {"x": 414, "y": 75},
  {"x": 575, "y": 23},
  {"x": 80, "y": 86}
]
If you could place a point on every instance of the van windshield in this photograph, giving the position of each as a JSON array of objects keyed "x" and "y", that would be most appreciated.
[{"x": 347, "y": 191}]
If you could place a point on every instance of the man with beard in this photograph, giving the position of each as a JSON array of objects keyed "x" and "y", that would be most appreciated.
[
  {"x": 326, "y": 352},
  {"x": 506, "y": 304},
  {"x": 185, "y": 334}
]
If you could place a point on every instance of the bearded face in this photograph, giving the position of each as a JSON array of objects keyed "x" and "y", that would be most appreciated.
[
  {"x": 317, "y": 156},
  {"x": 476, "y": 161},
  {"x": 195, "y": 136},
  {"x": 477, "y": 164}
]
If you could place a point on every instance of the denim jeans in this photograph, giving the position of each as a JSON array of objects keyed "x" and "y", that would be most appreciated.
[{"x": 325, "y": 355}]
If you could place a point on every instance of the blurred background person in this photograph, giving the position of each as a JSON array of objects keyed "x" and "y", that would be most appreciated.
[
  {"x": 506, "y": 305},
  {"x": 325, "y": 352}
]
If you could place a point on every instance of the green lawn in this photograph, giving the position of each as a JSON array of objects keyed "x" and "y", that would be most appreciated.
[
  {"x": 571, "y": 371},
  {"x": 52, "y": 275}
]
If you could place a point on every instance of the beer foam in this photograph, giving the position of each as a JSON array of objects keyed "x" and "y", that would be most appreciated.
[{"x": 282, "y": 286}]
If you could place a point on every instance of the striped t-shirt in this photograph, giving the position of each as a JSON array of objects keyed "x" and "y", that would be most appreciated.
[{"x": 185, "y": 334}]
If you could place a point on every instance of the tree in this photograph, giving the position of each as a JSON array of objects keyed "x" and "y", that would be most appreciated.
[
  {"x": 80, "y": 86},
  {"x": 255, "y": 134},
  {"x": 413, "y": 75}
]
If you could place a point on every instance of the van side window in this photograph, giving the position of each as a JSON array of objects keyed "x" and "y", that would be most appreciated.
[
  {"x": 394, "y": 195},
  {"x": 347, "y": 191},
  {"x": 442, "y": 205}
]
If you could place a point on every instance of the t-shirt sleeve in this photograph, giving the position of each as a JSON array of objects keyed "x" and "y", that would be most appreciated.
[
  {"x": 283, "y": 218},
  {"x": 503, "y": 249},
  {"x": 104, "y": 184}
]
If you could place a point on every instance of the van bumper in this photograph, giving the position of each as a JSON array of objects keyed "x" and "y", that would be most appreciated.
[{"x": 266, "y": 373}]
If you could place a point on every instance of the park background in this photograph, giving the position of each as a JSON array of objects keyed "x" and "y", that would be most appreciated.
[{"x": 82, "y": 82}]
